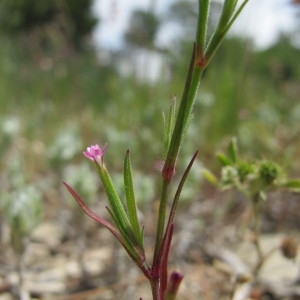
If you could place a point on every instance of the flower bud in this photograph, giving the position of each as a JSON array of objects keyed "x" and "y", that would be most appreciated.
[
  {"x": 173, "y": 285},
  {"x": 95, "y": 153}
]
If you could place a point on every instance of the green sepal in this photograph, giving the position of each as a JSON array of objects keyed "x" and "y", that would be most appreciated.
[{"x": 130, "y": 201}]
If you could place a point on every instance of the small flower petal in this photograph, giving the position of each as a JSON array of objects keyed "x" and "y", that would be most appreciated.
[{"x": 95, "y": 152}]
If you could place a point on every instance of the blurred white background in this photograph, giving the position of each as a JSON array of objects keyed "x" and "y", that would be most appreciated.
[{"x": 262, "y": 20}]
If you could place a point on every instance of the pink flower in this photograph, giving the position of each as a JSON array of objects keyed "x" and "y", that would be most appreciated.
[{"x": 95, "y": 152}]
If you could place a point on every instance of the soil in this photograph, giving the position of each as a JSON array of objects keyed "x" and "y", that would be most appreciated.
[{"x": 213, "y": 247}]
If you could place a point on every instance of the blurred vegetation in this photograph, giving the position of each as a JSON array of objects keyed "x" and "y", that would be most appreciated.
[
  {"x": 43, "y": 22},
  {"x": 142, "y": 29},
  {"x": 59, "y": 94}
]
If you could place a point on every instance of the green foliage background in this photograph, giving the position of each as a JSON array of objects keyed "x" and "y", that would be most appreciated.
[{"x": 58, "y": 94}]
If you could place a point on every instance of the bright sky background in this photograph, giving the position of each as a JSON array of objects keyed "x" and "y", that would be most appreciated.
[{"x": 262, "y": 20}]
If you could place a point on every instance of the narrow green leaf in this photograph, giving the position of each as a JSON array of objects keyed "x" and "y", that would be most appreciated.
[
  {"x": 130, "y": 200},
  {"x": 209, "y": 176},
  {"x": 293, "y": 184},
  {"x": 121, "y": 218},
  {"x": 233, "y": 150},
  {"x": 227, "y": 12},
  {"x": 235, "y": 15},
  {"x": 220, "y": 33},
  {"x": 224, "y": 160},
  {"x": 165, "y": 134},
  {"x": 168, "y": 123},
  {"x": 171, "y": 119},
  {"x": 202, "y": 25}
]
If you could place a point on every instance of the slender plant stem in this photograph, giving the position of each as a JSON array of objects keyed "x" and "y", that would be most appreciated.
[
  {"x": 257, "y": 245},
  {"x": 161, "y": 218},
  {"x": 183, "y": 115},
  {"x": 155, "y": 290}
]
